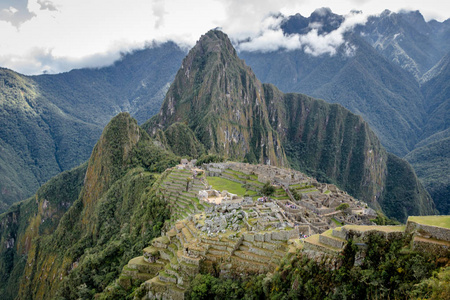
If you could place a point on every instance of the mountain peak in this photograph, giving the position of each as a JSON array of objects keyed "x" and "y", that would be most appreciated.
[
  {"x": 322, "y": 12},
  {"x": 322, "y": 18},
  {"x": 213, "y": 40},
  {"x": 109, "y": 157},
  {"x": 220, "y": 100}
]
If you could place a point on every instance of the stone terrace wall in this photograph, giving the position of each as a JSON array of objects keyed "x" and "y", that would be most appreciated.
[{"x": 434, "y": 232}]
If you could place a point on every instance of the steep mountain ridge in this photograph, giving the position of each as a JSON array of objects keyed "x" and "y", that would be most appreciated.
[
  {"x": 222, "y": 102},
  {"x": 365, "y": 83},
  {"x": 395, "y": 77},
  {"x": 214, "y": 91},
  {"x": 109, "y": 213}
]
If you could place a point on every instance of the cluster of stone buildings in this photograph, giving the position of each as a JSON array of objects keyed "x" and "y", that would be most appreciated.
[{"x": 314, "y": 207}]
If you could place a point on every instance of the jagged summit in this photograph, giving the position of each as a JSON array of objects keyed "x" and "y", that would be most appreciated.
[
  {"x": 222, "y": 101},
  {"x": 323, "y": 19}
]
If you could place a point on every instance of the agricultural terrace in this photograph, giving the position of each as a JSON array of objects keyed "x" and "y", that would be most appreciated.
[{"x": 440, "y": 221}]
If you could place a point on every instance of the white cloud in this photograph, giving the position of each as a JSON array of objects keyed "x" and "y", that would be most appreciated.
[
  {"x": 10, "y": 10},
  {"x": 159, "y": 12},
  {"x": 271, "y": 38},
  {"x": 47, "y": 5}
]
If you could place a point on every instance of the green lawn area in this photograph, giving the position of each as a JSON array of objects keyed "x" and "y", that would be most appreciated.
[
  {"x": 220, "y": 184},
  {"x": 387, "y": 228},
  {"x": 440, "y": 221},
  {"x": 336, "y": 222}
]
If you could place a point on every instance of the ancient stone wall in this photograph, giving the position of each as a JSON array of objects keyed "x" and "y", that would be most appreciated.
[
  {"x": 434, "y": 232},
  {"x": 437, "y": 249}
]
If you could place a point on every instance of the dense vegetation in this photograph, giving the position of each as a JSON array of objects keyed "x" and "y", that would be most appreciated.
[
  {"x": 179, "y": 139},
  {"x": 388, "y": 271},
  {"x": 89, "y": 222},
  {"x": 36, "y": 217},
  {"x": 431, "y": 162}
]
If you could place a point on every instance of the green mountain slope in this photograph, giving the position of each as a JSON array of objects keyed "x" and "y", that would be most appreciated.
[
  {"x": 232, "y": 114},
  {"x": 179, "y": 139},
  {"x": 221, "y": 100},
  {"x": 437, "y": 98},
  {"x": 432, "y": 164},
  {"x": 386, "y": 96},
  {"x": 33, "y": 219},
  {"x": 113, "y": 212},
  {"x": 38, "y": 140},
  {"x": 49, "y": 123}
]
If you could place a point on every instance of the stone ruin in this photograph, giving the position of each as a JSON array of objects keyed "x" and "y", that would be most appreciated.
[
  {"x": 216, "y": 197},
  {"x": 242, "y": 235},
  {"x": 316, "y": 204}
]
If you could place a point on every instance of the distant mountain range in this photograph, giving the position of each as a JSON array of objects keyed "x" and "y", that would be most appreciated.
[{"x": 397, "y": 80}]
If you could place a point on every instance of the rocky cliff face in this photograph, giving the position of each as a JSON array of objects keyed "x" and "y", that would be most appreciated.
[
  {"x": 234, "y": 115},
  {"x": 222, "y": 102},
  {"x": 329, "y": 142}
]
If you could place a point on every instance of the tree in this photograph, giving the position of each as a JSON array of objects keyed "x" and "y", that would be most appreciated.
[
  {"x": 343, "y": 206},
  {"x": 267, "y": 189}
]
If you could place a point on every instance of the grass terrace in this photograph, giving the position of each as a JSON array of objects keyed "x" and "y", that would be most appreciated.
[
  {"x": 336, "y": 222},
  {"x": 221, "y": 184},
  {"x": 362, "y": 228},
  {"x": 243, "y": 175},
  {"x": 440, "y": 221}
]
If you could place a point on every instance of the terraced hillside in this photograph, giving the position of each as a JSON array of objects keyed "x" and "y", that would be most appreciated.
[
  {"x": 253, "y": 235},
  {"x": 180, "y": 189}
]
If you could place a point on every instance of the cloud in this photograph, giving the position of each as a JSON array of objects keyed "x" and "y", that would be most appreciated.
[
  {"x": 73, "y": 32},
  {"x": 15, "y": 12},
  {"x": 159, "y": 12},
  {"x": 40, "y": 60},
  {"x": 245, "y": 18},
  {"x": 47, "y": 5},
  {"x": 272, "y": 38}
]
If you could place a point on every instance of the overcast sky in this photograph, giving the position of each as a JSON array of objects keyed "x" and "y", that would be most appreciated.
[{"x": 59, "y": 35}]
